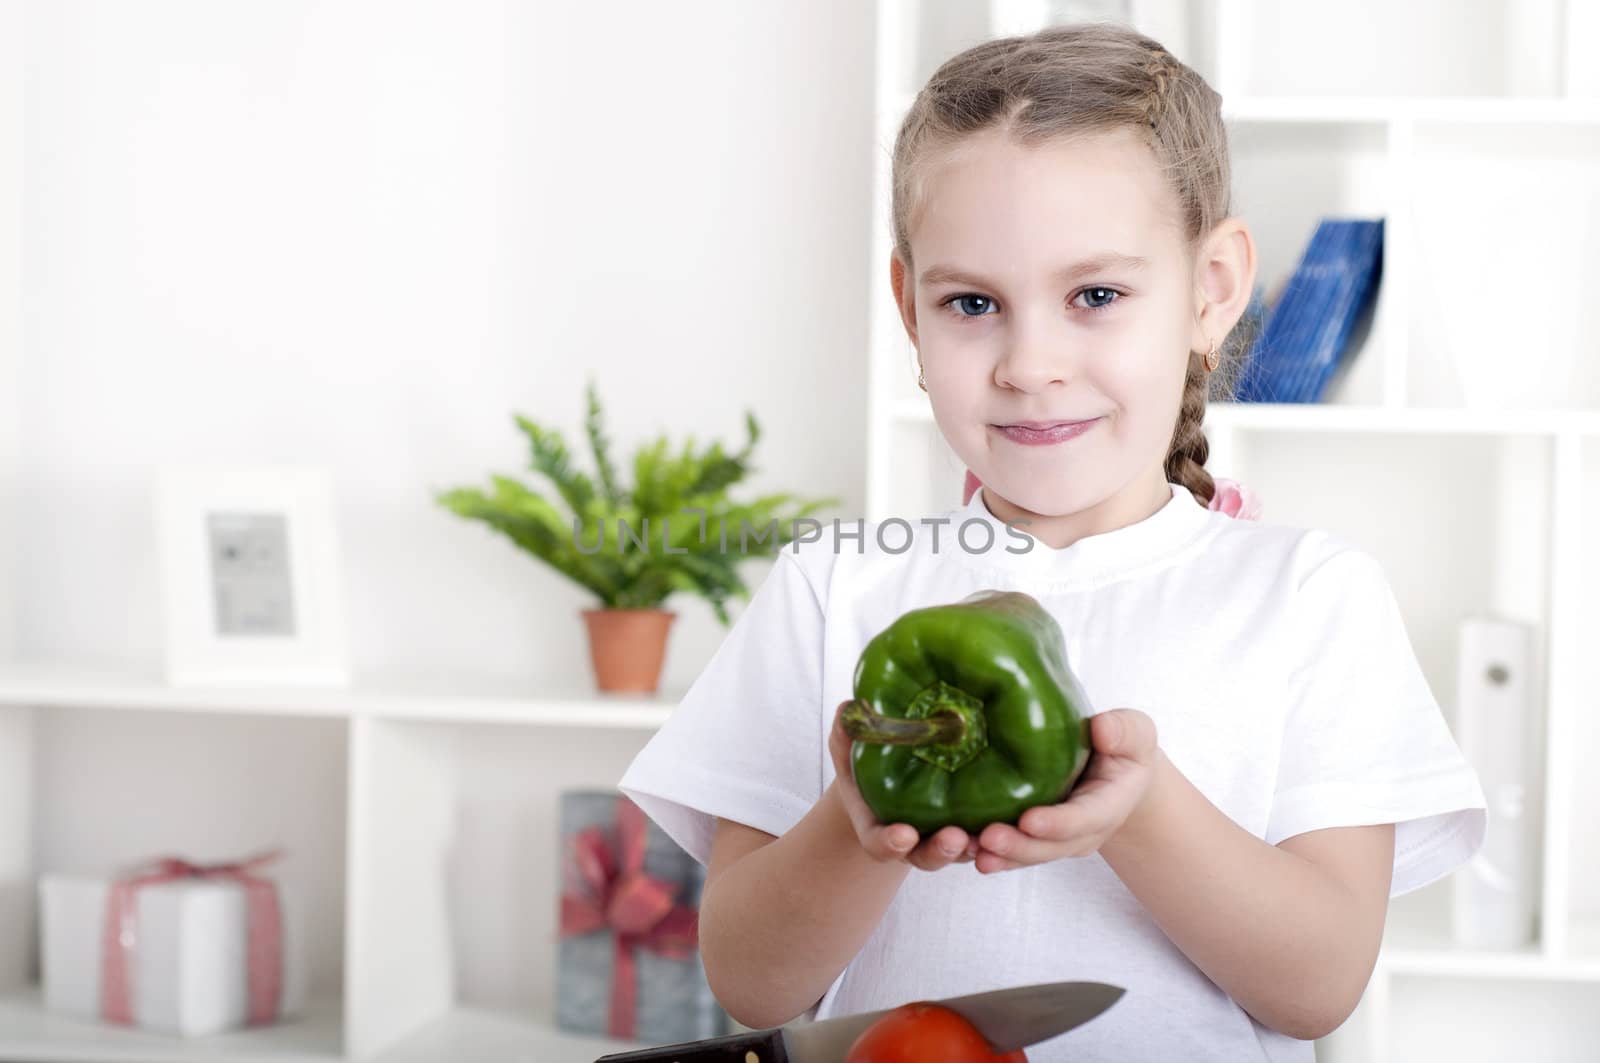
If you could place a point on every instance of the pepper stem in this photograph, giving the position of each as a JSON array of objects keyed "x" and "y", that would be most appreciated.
[{"x": 945, "y": 727}]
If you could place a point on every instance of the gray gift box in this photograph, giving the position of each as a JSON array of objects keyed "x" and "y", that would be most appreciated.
[{"x": 674, "y": 1000}]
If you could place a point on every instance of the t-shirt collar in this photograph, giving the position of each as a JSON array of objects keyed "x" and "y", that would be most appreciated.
[{"x": 1167, "y": 533}]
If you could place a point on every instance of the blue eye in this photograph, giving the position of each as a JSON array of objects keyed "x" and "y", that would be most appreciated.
[
  {"x": 970, "y": 305},
  {"x": 985, "y": 304}
]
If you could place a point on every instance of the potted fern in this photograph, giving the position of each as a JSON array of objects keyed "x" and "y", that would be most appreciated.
[{"x": 675, "y": 529}]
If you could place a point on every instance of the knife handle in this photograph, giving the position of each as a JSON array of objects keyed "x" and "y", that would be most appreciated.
[{"x": 756, "y": 1046}]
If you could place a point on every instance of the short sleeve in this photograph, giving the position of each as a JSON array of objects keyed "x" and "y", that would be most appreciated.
[
  {"x": 746, "y": 742},
  {"x": 1364, "y": 739}
]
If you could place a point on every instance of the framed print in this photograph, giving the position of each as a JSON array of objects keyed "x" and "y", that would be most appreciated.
[{"x": 251, "y": 576}]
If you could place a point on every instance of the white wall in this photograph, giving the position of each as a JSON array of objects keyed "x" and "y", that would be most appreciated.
[
  {"x": 363, "y": 233},
  {"x": 16, "y": 892},
  {"x": 11, "y": 23}
]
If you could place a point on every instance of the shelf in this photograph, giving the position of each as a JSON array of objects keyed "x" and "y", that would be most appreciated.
[
  {"x": 465, "y": 1035},
  {"x": 1322, "y": 417},
  {"x": 1421, "y": 420},
  {"x": 59, "y": 685},
  {"x": 1528, "y": 963},
  {"x": 1429, "y": 950},
  {"x": 1583, "y": 939},
  {"x": 1362, "y": 109},
  {"x": 29, "y": 1032},
  {"x": 469, "y": 1035}
]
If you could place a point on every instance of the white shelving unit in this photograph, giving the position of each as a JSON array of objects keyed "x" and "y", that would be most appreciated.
[
  {"x": 1461, "y": 446},
  {"x": 409, "y": 764}
]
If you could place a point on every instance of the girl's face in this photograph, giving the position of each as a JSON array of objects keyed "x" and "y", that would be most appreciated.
[{"x": 1052, "y": 285}]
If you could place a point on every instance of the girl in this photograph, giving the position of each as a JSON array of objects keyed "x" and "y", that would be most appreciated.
[{"x": 1270, "y": 765}]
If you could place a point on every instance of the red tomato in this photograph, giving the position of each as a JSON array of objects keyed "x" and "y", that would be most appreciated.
[{"x": 925, "y": 1033}]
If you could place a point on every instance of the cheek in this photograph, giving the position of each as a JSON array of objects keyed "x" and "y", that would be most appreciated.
[
  {"x": 1146, "y": 394},
  {"x": 957, "y": 346},
  {"x": 959, "y": 411},
  {"x": 1139, "y": 387},
  {"x": 961, "y": 359},
  {"x": 1146, "y": 374}
]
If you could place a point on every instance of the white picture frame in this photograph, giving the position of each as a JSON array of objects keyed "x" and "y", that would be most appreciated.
[{"x": 251, "y": 576}]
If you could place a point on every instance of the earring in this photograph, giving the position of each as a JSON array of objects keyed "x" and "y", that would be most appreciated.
[
  {"x": 921, "y": 383},
  {"x": 1212, "y": 358}
]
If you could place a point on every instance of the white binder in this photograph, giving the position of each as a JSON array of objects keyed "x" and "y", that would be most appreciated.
[{"x": 1494, "y": 895}]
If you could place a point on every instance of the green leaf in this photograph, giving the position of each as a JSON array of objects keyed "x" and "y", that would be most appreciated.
[
  {"x": 601, "y": 447},
  {"x": 551, "y": 457}
]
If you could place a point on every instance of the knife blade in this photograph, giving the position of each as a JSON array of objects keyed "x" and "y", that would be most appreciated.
[{"x": 1007, "y": 1018}]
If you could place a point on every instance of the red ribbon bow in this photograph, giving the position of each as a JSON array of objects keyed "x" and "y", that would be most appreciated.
[
  {"x": 638, "y": 909},
  {"x": 264, "y": 943}
]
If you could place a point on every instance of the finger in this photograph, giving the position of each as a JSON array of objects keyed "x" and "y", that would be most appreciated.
[
  {"x": 877, "y": 838},
  {"x": 841, "y": 761},
  {"x": 943, "y": 847},
  {"x": 892, "y": 842},
  {"x": 1007, "y": 843},
  {"x": 838, "y": 741},
  {"x": 839, "y": 753},
  {"x": 869, "y": 832},
  {"x": 988, "y": 863},
  {"x": 839, "y": 750},
  {"x": 970, "y": 853},
  {"x": 1085, "y": 812},
  {"x": 1123, "y": 733}
]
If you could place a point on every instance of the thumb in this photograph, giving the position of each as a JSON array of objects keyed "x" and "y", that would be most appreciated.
[{"x": 1125, "y": 733}]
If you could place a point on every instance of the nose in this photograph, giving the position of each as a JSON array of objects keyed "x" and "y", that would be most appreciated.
[{"x": 1035, "y": 357}]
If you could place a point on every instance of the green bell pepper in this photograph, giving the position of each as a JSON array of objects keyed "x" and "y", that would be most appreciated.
[{"x": 966, "y": 714}]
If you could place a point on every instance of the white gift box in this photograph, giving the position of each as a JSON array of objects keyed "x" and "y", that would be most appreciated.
[{"x": 188, "y": 973}]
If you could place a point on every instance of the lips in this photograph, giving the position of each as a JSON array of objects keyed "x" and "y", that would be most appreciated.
[
  {"x": 1041, "y": 433},
  {"x": 1047, "y": 424}
]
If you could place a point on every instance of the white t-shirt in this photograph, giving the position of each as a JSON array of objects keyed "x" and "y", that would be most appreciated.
[{"x": 1274, "y": 661}]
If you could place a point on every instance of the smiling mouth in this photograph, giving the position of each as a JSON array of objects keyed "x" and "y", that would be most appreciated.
[
  {"x": 1037, "y": 433},
  {"x": 1040, "y": 425}
]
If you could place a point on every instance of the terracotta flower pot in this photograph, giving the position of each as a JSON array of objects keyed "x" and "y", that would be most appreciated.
[{"x": 627, "y": 647}]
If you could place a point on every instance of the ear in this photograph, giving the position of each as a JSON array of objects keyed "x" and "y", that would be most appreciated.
[
  {"x": 1225, "y": 275},
  {"x": 900, "y": 282}
]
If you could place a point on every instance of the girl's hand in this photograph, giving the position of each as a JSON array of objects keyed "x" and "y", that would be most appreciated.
[
  {"x": 893, "y": 841},
  {"x": 1116, "y": 779}
]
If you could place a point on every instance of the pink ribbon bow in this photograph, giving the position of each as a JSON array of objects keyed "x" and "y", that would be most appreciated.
[
  {"x": 1229, "y": 496},
  {"x": 264, "y": 943},
  {"x": 970, "y": 488},
  {"x": 1234, "y": 499},
  {"x": 616, "y": 894}
]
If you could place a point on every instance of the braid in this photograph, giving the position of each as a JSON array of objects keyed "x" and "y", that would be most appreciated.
[
  {"x": 1186, "y": 459},
  {"x": 1160, "y": 72}
]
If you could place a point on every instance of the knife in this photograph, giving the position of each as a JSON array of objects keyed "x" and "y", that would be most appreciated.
[{"x": 1007, "y": 1018}]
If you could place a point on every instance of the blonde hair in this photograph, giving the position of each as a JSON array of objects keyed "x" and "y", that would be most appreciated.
[{"x": 1077, "y": 80}]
